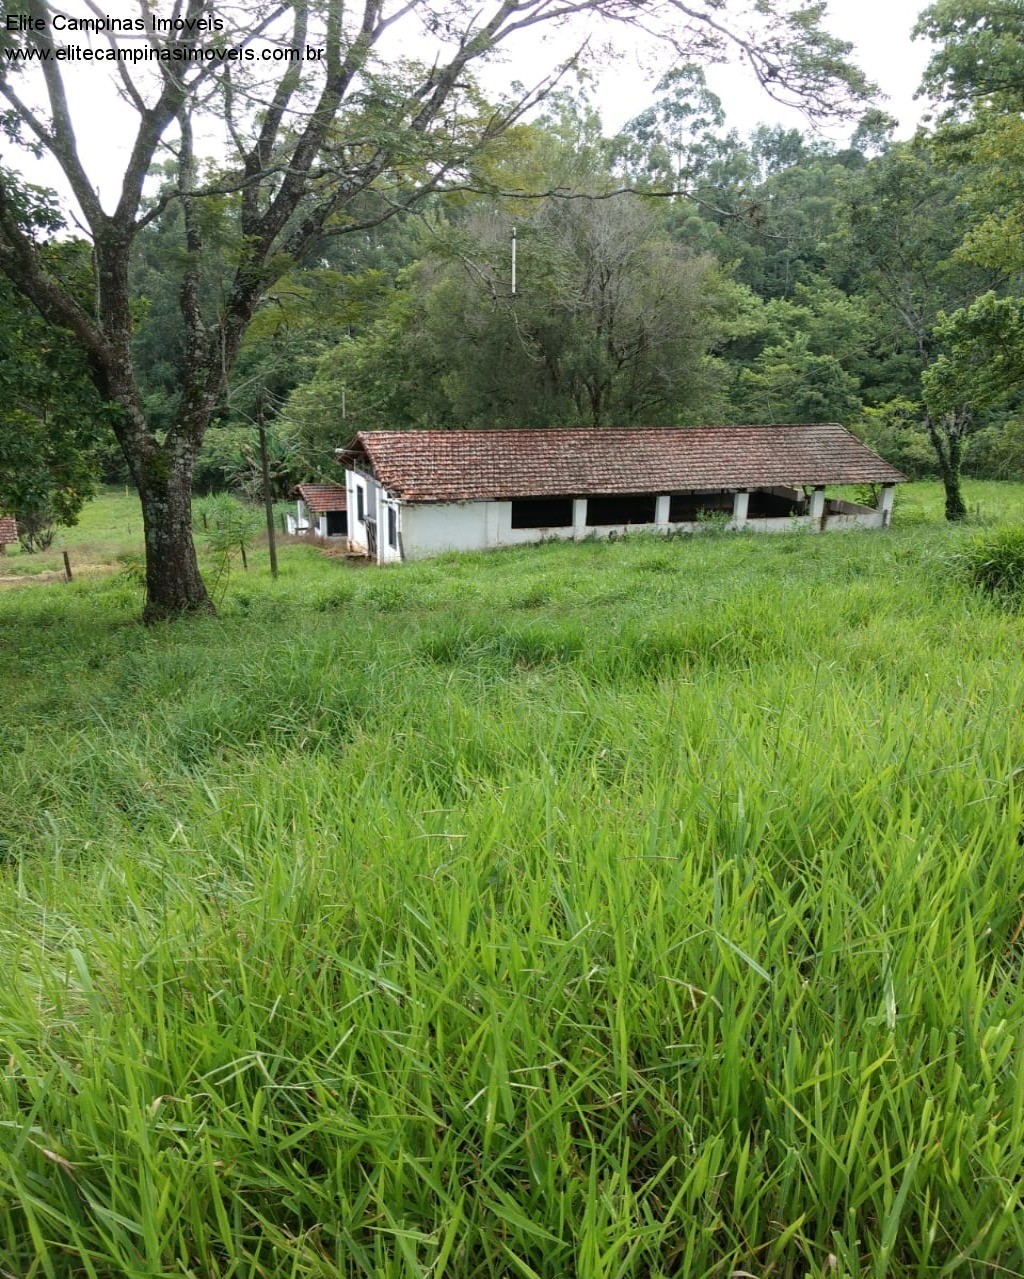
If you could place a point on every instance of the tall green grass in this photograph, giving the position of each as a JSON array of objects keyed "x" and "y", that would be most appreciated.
[
  {"x": 617, "y": 910},
  {"x": 994, "y": 561}
]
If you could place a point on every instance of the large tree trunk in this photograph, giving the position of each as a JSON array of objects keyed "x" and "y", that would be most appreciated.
[
  {"x": 162, "y": 471},
  {"x": 174, "y": 585},
  {"x": 956, "y": 507},
  {"x": 950, "y": 458},
  {"x": 947, "y": 441}
]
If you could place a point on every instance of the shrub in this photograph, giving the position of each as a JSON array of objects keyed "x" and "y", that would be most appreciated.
[
  {"x": 133, "y": 569},
  {"x": 225, "y": 522},
  {"x": 36, "y": 529},
  {"x": 995, "y": 562},
  {"x": 229, "y": 529},
  {"x": 997, "y": 452}
]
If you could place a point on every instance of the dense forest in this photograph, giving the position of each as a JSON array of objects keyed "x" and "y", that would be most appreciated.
[{"x": 673, "y": 273}]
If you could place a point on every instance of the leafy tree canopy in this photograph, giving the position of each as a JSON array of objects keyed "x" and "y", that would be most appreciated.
[
  {"x": 978, "y": 62},
  {"x": 52, "y": 421}
]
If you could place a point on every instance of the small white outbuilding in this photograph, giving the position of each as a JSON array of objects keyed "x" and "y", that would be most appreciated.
[
  {"x": 412, "y": 494},
  {"x": 320, "y": 511}
]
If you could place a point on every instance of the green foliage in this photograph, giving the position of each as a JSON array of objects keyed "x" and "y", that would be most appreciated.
[
  {"x": 225, "y": 521},
  {"x": 612, "y": 323},
  {"x": 987, "y": 152},
  {"x": 230, "y": 458},
  {"x": 316, "y": 412},
  {"x": 977, "y": 70},
  {"x": 228, "y": 528},
  {"x": 795, "y": 281},
  {"x": 900, "y": 224},
  {"x": 133, "y": 569},
  {"x": 984, "y": 359},
  {"x": 787, "y": 383},
  {"x": 997, "y": 452},
  {"x": 37, "y": 527},
  {"x": 979, "y": 56},
  {"x": 672, "y": 140},
  {"x": 52, "y": 424},
  {"x": 845, "y": 261},
  {"x": 896, "y": 430},
  {"x": 995, "y": 562},
  {"x": 769, "y": 205},
  {"x": 219, "y": 458}
]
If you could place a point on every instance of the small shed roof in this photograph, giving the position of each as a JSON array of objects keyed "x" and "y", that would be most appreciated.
[
  {"x": 323, "y": 497},
  {"x": 8, "y": 529},
  {"x": 461, "y": 466}
]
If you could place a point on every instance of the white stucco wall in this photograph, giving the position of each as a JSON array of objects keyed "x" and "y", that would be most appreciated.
[
  {"x": 299, "y": 523},
  {"x": 863, "y": 519},
  {"x": 779, "y": 524},
  {"x": 354, "y": 482},
  {"x": 386, "y": 553},
  {"x": 431, "y": 528},
  {"x": 376, "y": 503}
]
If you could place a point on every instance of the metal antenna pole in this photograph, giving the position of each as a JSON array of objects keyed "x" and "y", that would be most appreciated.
[
  {"x": 513, "y": 261},
  {"x": 268, "y": 500}
]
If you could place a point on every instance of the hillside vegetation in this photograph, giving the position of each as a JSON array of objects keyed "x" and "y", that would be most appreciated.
[{"x": 635, "y": 909}]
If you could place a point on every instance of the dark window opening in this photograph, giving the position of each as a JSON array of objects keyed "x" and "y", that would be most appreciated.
[
  {"x": 392, "y": 528},
  {"x": 337, "y": 523},
  {"x": 767, "y": 506},
  {"x": 687, "y": 508},
  {"x": 631, "y": 509},
  {"x": 360, "y": 502},
  {"x": 542, "y": 512}
]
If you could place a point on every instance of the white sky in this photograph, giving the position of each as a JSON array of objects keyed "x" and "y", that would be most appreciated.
[
  {"x": 880, "y": 33},
  {"x": 879, "y": 29}
]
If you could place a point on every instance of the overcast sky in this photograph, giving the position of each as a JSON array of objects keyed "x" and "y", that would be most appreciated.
[
  {"x": 880, "y": 33},
  {"x": 879, "y": 29}
]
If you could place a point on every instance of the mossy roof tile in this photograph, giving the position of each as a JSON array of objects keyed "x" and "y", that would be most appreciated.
[{"x": 465, "y": 466}]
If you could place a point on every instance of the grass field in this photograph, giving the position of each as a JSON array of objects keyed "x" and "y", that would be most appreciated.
[
  {"x": 108, "y": 531},
  {"x": 635, "y": 909}
]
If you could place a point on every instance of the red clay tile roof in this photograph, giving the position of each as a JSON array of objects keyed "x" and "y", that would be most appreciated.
[
  {"x": 323, "y": 497},
  {"x": 8, "y": 529},
  {"x": 461, "y": 466}
]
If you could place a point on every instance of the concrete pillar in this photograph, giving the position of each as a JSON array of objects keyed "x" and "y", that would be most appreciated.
[
  {"x": 885, "y": 503},
  {"x": 579, "y": 517},
  {"x": 740, "y": 502},
  {"x": 497, "y": 518},
  {"x": 661, "y": 507},
  {"x": 817, "y": 508}
]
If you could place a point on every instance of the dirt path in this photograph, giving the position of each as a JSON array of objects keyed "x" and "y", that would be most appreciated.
[{"x": 12, "y": 581}]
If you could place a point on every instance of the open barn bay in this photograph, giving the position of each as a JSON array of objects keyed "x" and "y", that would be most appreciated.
[{"x": 615, "y": 911}]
